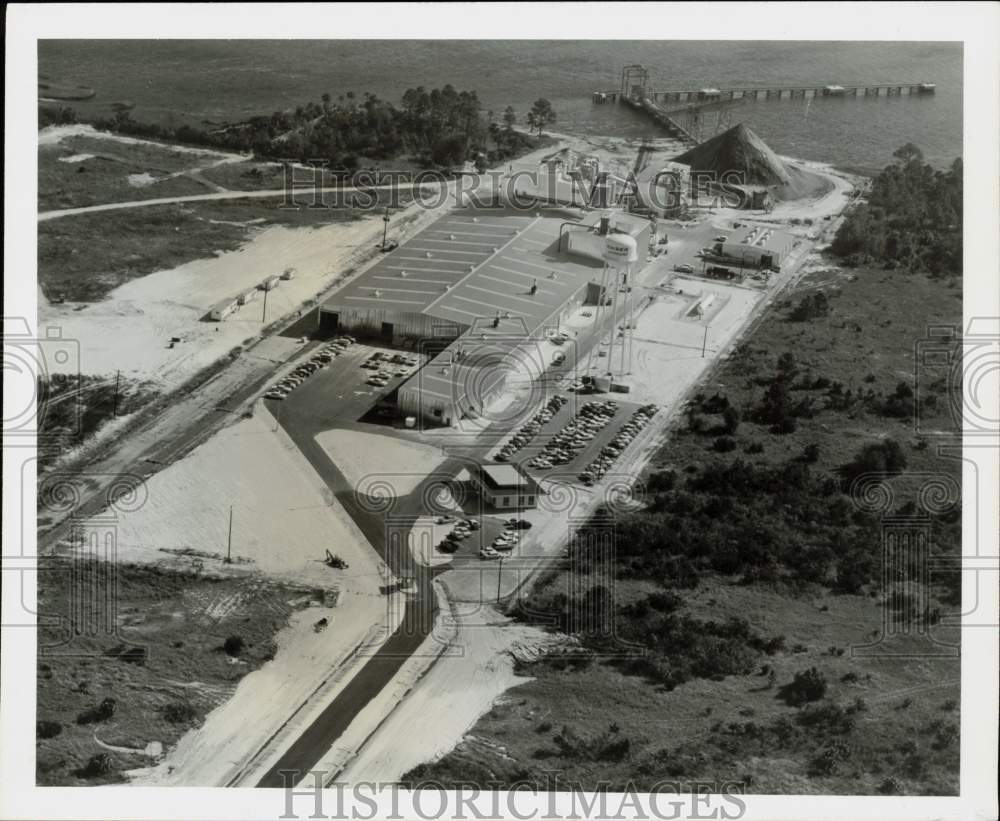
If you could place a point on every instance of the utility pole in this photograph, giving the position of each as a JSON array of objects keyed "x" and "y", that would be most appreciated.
[
  {"x": 263, "y": 316},
  {"x": 118, "y": 376},
  {"x": 229, "y": 544},
  {"x": 704, "y": 343},
  {"x": 499, "y": 572},
  {"x": 385, "y": 228}
]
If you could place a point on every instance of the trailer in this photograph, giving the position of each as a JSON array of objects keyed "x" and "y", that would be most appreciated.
[
  {"x": 223, "y": 309},
  {"x": 270, "y": 283}
]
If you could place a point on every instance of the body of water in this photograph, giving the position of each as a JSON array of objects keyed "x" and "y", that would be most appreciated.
[{"x": 198, "y": 80}]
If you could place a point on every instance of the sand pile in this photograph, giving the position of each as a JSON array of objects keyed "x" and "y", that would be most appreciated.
[{"x": 742, "y": 151}]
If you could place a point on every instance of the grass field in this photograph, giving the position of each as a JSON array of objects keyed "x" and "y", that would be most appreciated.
[
  {"x": 100, "y": 172},
  {"x": 165, "y": 666},
  {"x": 262, "y": 176},
  {"x": 715, "y": 684}
]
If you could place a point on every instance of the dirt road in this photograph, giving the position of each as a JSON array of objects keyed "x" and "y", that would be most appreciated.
[{"x": 215, "y": 196}]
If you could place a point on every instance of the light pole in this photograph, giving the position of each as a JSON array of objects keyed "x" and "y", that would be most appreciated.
[
  {"x": 385, "y": 228},
  {"x": 499, "y": 574},
  {"x": 229, "y": 544}
]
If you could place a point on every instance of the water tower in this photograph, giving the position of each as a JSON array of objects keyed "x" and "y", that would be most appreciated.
[{"x": 621, "y": 252}]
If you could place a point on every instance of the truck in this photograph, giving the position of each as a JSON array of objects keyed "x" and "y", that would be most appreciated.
[{"x": 718, "y": 272}]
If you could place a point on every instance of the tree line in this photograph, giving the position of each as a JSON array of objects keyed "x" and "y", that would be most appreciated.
[
  {"x": 912, "y": 220},
  {"x": 437, "y": 127}
]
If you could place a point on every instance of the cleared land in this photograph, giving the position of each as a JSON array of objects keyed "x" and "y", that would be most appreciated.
[
  {"x": 72, "y": 267},
  {"x": 724, "y": 648},
  {"x": 165, "y": 666},
  {"x": 284, "y": 519}
]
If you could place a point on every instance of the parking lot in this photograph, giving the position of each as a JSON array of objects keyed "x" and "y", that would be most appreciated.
[
  {"x": 568, "y": 435},
  {"x": 340, "y": 388}
]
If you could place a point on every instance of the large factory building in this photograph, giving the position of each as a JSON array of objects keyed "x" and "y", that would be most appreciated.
[{"x": 487, "y": 284}]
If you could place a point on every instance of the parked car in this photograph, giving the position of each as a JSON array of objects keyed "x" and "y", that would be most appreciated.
[{"x": 684, "y": 269}]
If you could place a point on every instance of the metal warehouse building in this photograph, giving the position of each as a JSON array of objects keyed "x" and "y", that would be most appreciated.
[
  {"x": 489, "y": 281},
  {"x": 759, "y": 246}
]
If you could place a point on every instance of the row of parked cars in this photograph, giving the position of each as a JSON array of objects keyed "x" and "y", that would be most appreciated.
[
  {"x": 386, "y": 366},
  {"x": 302, "y": 372},
  {"x": 576, "y": 434},
  {"x": 463, "y": 530},
  {"x": 610, "y": 452},
  {"x": 530, "y": 430},
  {"x": 506, "y": 541}
]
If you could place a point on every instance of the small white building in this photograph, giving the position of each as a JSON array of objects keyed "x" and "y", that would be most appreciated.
[{"x": 504, "y": 487}]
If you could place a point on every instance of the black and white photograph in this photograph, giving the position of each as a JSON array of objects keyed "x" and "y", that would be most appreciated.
[{"x": 501, "y": 411}]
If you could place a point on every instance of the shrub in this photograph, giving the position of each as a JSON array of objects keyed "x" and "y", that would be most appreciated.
[
  {"x": 810, "y": 453},
  {"x": 884, "y": 457},
  {"x": 100, "y": 764},
  {"x": 48, "y": 729},
  {"x": 180, "y": 712},
  {"x": 807, "y": 685},
  {"x": 615, "y": 750},
  {"x": 730, "y": 420},
  {"x": 890, "y": 786},
  {"x": 104, "y": 711},
  {"x": 724, "y": 444},
  {"x": 785, "y": 426},
  {"x": 234, "y": 646},
  {"x": 661, "y": 481},
  {"x": 812, "y": 306}
]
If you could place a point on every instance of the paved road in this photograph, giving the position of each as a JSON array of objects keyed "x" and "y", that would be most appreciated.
[{"x": 307, "y": 411}]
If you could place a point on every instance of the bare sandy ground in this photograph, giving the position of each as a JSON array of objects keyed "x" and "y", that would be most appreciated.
[
  {"x": 132, "y": 329},
  {"x": 396, "y": 465},
  {"x": 284, "y": 519},
  {"x": 667, "y": 355},
  {"x": 284, "y": 516}
]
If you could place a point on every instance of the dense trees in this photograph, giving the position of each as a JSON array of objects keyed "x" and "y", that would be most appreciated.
[
  {"x": 442, "y": 127},
  {"x": 913, "y": 218}
]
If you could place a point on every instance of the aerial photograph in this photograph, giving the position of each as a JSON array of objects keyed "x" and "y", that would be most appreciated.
[{"x": 578, "y": 414}]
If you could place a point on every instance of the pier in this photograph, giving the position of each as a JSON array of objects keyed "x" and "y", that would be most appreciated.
[
  {"x": 771, "y": 93},
  {"x": 685, "y": 120}
]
